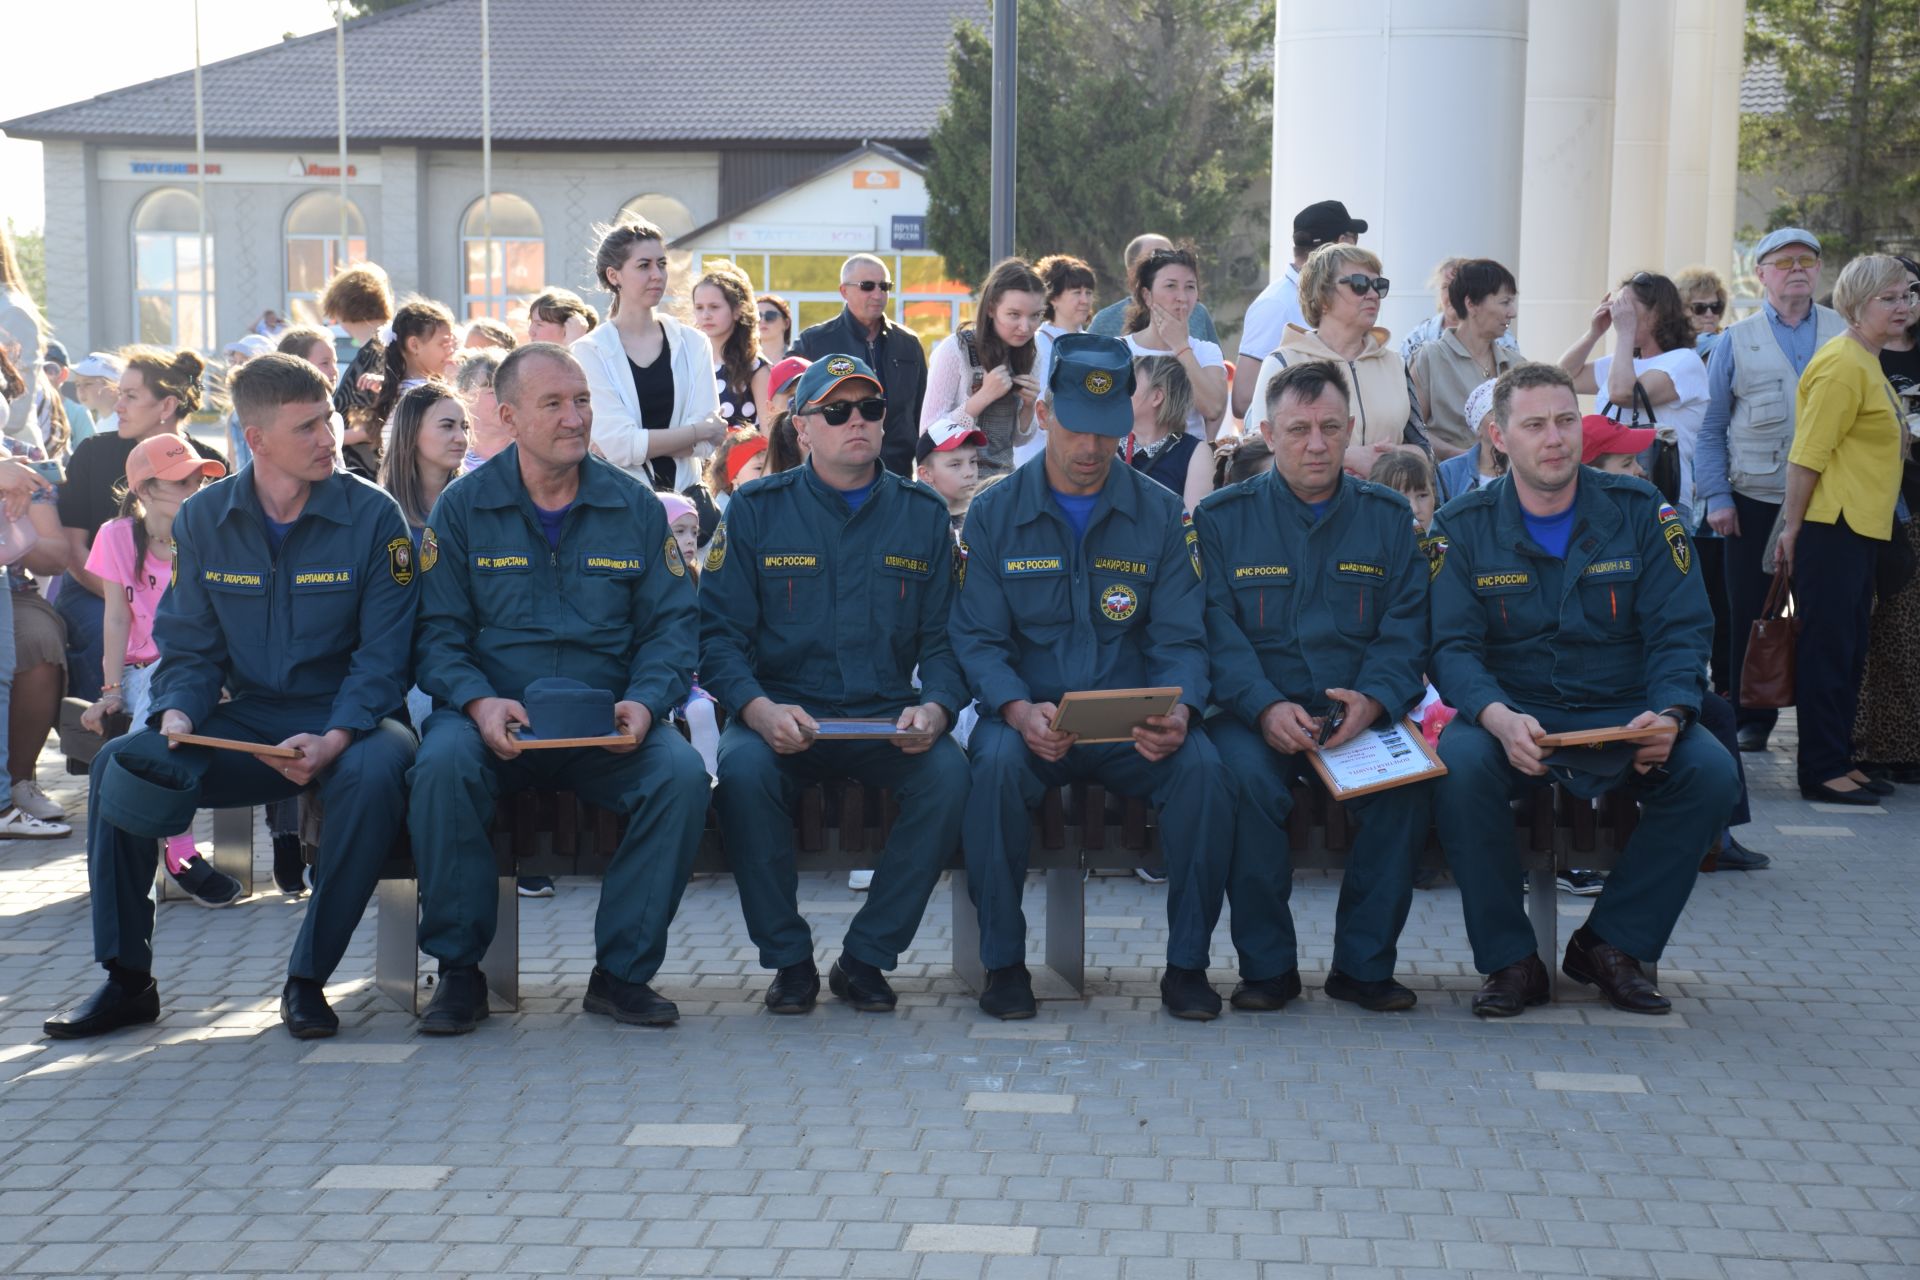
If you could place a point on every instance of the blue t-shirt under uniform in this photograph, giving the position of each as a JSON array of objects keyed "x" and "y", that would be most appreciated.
[
  {"x": 550, "y": 522},
  {"x": 1551, "y": 532},
  {"x": 1319, "y": 508},
  {"x": 1077, "y": 508},
  {"x": 855, "y": 497},
  {"x": 277, "y": 534}
]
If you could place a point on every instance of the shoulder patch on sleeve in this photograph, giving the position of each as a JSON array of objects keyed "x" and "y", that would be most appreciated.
[
  {"x": 960, "y": 554},
  {"x": 671, "y": 554},
  {"x": 1435, "y": 549},
  {"x": 429, "y": 549},
  {"x": 1667, "y": 514},
  {"x": 400, "y": 561},
  {"x": 1193, "y": 547},
  {"x": 1677, "y": 544},
  {"x": 717, "y": 549}
]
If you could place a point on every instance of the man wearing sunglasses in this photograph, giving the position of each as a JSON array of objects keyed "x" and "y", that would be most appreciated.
[
  {"x": 892, "y": 353},
  {"x": 1082, "y": 574},
  {"x": 1740, "y": 462},
  {"x": 825, "y": 588}
]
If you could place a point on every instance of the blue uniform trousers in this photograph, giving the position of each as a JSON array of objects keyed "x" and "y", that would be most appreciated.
[
  {"x": 364, "y": 793},
  {"x": 755, "y": 802},
  {"x": 661, "y": 788},
  {"x": 1679, "y": 817},
  {"x": 1193, "y": 793},
  {"x": 1376, "y": 887}
]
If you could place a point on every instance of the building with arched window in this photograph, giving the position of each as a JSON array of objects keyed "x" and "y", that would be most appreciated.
[{"x": 576, "y": 144}]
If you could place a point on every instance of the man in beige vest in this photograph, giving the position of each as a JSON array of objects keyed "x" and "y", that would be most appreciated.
[{"x": 1740, "y": 462}]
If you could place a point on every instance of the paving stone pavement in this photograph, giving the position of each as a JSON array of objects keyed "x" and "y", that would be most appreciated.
[{"x": 1771, "y": 1129}]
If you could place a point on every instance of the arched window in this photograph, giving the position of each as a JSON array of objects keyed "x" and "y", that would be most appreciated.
[
  {"x": 172, "y": 284},
  {"x": 670, "y": 215},
  {"x": 504, "y": 266},
  {"x": 315, "y": 250}
]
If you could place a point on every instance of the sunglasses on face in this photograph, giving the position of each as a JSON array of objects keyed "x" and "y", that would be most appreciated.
[
  {"x": 1801, "y": 262},
  {"x": 1707, "y": 308},
  {"x": 873, "y": 409},
  {"x": 868, "y": 286},
  {"x": 1360, "y": 283},
  {"x": 771, "y": 317}
]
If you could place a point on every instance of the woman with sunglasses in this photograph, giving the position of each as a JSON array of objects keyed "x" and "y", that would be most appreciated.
[
  {"x": 985, "y": 375},
  {"x": 1341, "y": 289},
  {"x": 776, "y": 326},
  {"x": 1705, "y": 294},
  {"x": 1447, "y": 369},
  {"x": 1663, "y": 383},
  {"x": 1163, "y": 290}
]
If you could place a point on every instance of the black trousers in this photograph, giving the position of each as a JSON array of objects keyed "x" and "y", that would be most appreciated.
[
  {"x": 1747, "y": 581},
  {"x": 1833, "y": 594},
  {"x": 1710, "y": 549}
]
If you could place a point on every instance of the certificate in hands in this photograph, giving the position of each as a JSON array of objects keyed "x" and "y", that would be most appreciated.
[
  {"x": 1111, "y": 715},
  {"x": 1375, "y": 760}
]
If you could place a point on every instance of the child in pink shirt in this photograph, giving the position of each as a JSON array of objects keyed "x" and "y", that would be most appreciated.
[{"x": 135, "y": 552}]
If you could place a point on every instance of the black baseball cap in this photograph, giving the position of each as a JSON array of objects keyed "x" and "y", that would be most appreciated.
[{"x": 1323, "y": 223}]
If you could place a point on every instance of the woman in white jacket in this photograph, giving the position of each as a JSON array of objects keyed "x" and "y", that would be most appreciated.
[{"x": 655, "y": 408}]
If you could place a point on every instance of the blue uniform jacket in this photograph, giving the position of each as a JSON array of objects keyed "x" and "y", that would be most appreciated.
[
  {"x": 326, "y": 625},
  {"x": 612, "y": 607},
  {"x": 1297, "y": 606},
  {"x": 1623, "y": 622},
  {"x": 808, "y": 602},
  {"x": 1041, "y": 613}
]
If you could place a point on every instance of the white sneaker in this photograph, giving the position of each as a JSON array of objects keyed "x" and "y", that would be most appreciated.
[
  {"x": 859, "y": 881},
  {"x": 28, "y": 795},
  {"x": 17, "y": 824}
]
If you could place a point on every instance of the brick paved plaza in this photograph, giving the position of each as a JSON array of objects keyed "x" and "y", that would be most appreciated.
[{"x": 1770, "y": 1128}]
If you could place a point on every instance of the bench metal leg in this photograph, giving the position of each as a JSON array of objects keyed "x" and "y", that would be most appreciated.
[
  {"x": 396, "y": 947},
  {"x": 1066, "y": 940},
  {"x": 1543, "y": 907},
  {"x": 966, "y": 936},
  {"x": 501, "y": 964}
]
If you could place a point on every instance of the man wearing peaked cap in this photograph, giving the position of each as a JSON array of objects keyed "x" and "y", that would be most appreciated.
[
  {"x": 826, "y": 596},
  {"x": 1082, "y": 574}
]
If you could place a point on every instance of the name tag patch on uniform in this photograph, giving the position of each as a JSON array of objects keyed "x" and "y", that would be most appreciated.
[
  {"x": 508, "y": 563},
  {"x": 1496, "y": 583},
  {"x": 1263, "y": 573},
  {"x": 309, "y": 579},
  {"x": 907, "y": 564},
  {"x": 232, "y": 578},
  {"x": 790, "y": 560},
  {"x": 1132, "y": 568},
  {"x": 1619, "y": 567},
  {"x": 614, "y": 564},
  {"x": 1033, "y": 564},
  {"x": 1362, "y": 568},
  {"x": 1678, "y": 547},
  {"x": 399, "y": 562},
  {"x": 1118, "y": 602}
]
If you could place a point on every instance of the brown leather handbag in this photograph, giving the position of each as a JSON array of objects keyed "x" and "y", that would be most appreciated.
[{"x": 1766, "y": 675}]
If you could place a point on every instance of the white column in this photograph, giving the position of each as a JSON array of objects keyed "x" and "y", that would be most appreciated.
[
  {"x": 1642, "y": 84},
  {"x": 1412, "y": 113},
  {"x": 1723, "y": 146},
  {"x": 1689, "y": 132},
  {"x": 1567, "y": 199}
]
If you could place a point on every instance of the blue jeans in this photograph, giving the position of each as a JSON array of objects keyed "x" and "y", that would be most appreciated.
[{"x": 85, "y": 616}]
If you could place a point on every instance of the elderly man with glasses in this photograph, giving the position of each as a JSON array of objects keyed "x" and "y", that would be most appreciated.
[
  {"x": 893, "y": 354},
  {"x": 1740, "y": 462}
]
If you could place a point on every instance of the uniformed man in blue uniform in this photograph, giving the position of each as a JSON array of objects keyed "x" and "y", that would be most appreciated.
[
  {"x": 1566, "y": 598},
  {"x": 1316, "y": 601},
  {"x": 825, "y": 588},
  {"x": 1082, "y": 574},
  {"x": 548, "y": 562},
  {"x": 293, "y": 589}
]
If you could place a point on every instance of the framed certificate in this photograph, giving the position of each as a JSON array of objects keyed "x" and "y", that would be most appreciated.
[
  {"x": 1376, "y": 760},
  {"x": 863, "y": 729},
  {"x": 555, "y": 744},
  {"x": 266, "y": 749},
  {"x": 1595, "y": 737},
  {"x": 1110, "y": 715}
]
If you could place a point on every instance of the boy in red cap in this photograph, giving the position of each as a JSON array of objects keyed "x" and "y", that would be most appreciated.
[
  {"x": 1608, "y": 446},
  {"x": 947, "y": 460}
]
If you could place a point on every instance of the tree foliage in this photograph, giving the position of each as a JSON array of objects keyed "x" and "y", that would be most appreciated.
[
  {"x": 1847, "y": 147},
  {"x": 30, "y": 253},
  {"x": 1133, "y": 115}
]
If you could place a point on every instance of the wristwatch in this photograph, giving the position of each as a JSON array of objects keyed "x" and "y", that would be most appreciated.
[{"x": 1685, "y": 715}]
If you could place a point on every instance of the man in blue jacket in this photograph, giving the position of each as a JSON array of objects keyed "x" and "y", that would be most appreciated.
[
  {"x": 548, "y": 562},
  {"x": 1082, "y": 574},
  {"x": 293, "y": 588}
]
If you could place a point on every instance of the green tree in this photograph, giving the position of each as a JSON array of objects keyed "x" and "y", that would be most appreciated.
[
  {"x": 1846, "y": 148},
  {"x": 1134, "y": 115},
  {"x": 30, "y": 251}
]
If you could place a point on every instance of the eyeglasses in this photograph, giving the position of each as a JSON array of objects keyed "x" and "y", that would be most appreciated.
[
  {"x": 868, "y": 286},
  {"x": 873, "y": 409},
  {"x": 1904, "y": 298},
  {"x": 1801, "y": 262},
  {"x": 771, "y": 317},
  {"x": 1707, "y": 308},
  {"x": 1360, "y": 283}
]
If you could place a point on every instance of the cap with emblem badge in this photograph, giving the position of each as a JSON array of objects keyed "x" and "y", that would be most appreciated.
[
  {"x": 823, "y": 375},
  {"x": 1091, "y": 385}
]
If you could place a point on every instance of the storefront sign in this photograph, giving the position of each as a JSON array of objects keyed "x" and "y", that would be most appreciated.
[
  {"x": 909, "y": 231},
  {"x": 876, "y": 179},
  {"x": 760, "y": 235},
  {"x": 117, "y": 164}
]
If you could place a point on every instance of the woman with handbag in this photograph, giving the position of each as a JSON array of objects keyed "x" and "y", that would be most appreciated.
[
  {"x": 1843, "y": 482},
  {"x": 1886, "y": 733}
]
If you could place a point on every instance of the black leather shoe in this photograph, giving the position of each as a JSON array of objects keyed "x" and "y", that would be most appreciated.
[
  {"x": 1597, "y": 963},
  {"x": 1264, "y": 995},
  {"x": 861, "y": 985},
  {"x": 1186, "y": 993},
  {"x": 1508, "y": 991},
  {"x": 794, "y": 988},
  {"x": 634, "y": 1003},
  {"x": 1751, "y": 737},
  {"x": 1735, "y": 856},
  {"x": 459, "y": 1002},
  {"x": 1384, "y": 996},
  {"x": 304, "y": 1008},
  {"x": 110, "y": 1008},
  {"x": 1009, "y": 994},
  {"x": 1877, "y": 781},
  {"x": 1827, "y": 795}
]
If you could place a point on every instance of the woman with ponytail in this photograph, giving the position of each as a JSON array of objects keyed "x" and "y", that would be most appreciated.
[
  {"x": 417, "y": 345},
  {"x": 723, "y": 310}
]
